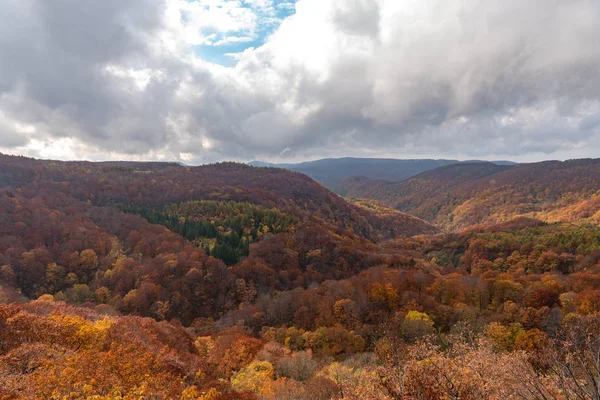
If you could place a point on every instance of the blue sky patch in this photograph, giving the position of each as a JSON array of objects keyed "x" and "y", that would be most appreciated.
[{"x": 256, "y": 19}]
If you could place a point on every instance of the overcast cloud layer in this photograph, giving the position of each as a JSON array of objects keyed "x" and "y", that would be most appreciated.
[{"x": 124, "y": 79}]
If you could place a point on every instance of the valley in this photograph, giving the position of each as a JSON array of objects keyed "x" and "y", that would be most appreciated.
[{"x": 229, "y": 281}]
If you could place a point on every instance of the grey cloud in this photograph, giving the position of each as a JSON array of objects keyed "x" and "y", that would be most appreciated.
[
  {"x": 478, "y": 78},
  {"x": 528, "y": 55},
  {"x": 590, "y": 122},
  {"x": 10, "y": 138},
  {"x": 57, "y": 70},
  {"x": 359, "y": 17}
]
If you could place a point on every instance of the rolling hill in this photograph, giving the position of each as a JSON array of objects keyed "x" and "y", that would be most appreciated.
[
  {"x": 462, "y": 195},
  {"x": 225, "y": 281},
  {"x": 332, "y": 171},
  {"x": 175, "y": 229}
]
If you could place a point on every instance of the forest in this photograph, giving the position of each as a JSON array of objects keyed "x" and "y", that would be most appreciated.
[
  {"x": 226, "y": 281},
  {"x": 459, "y": 196}
]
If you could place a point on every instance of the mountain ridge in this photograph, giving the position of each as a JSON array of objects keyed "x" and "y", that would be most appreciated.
[
  {"x": 332, "y": 171},
  {"x": 457, "y": 196}
]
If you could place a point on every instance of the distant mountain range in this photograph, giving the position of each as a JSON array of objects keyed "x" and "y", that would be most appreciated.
[
  {"x": 330, "y": 172},
  {"x": 453, "y": 195},
  {"x": 458, "y": 196}
]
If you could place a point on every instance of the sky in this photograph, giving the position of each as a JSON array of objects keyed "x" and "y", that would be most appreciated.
[{"x": 200, "y": 81}]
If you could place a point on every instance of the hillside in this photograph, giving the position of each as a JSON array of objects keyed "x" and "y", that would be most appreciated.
[
  {"x": 159, "y": 184},
  {"x": 52, "y": 350},
  {"x": 161, "y": 239},
  {"x": 413, "y": 192},
  {"x": 225, "y": 281},
  {"x": 151, "y": 280},
  {"x": 331, "y": 172},
  {"x": 459, "y": 196}
]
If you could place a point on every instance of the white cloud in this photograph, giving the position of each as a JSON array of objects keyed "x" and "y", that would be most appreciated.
[
  {"x": 448, "y": 78},
  {"x": 232, "y": 39},
  {"x": 219, "y": 22}
]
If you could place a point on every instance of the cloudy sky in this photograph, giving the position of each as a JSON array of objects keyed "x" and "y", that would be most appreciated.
[{"x": 282, "y": 80}]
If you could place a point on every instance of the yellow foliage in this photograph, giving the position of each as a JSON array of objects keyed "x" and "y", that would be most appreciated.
[
  {"x": 205, "y": 345},
  {"x": 416, "y": 324},
  {"x": 253, "y": 378},
  {"x": 503, "y": 337},
  {"x": 417, "y": 316},
  {"x": 85, "y": 334},
  {"x": 192, "y": 393}
]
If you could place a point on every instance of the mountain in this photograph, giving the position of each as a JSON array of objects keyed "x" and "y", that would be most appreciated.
[
  {"x": 226, "y": 281},
  {"x": 462, "y": 195},
  {"x": 332, "y": 171},
  {"x": 179, "y": 235},
  {"x": 416, "y": 192}
]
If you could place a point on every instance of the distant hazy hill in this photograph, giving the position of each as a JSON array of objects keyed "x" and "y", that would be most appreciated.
[
  {"x": 414, "y": 192},
  {"x": 461, "y": 195},
  {"x": 332, "y": 171}
]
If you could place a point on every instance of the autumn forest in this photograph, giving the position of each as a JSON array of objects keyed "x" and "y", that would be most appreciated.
[{"x": 124, "y": 280}]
